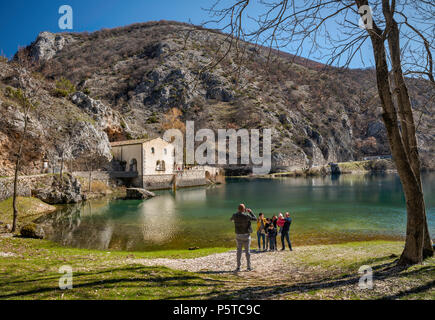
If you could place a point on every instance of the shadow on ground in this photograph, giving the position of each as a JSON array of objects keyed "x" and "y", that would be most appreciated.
[{"x": 139, "y": 282}]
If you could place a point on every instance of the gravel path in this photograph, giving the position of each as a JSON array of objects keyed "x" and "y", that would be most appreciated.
[{"x": 263, "y": 262}]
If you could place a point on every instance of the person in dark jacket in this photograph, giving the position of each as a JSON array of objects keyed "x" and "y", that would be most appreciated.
[
  {"x": 242, "y": 223},
  {"x": 272, "y": 237},
  {"x": 275, "y": 225},
  {"x": 285, "y": 232},
  {"x": 268, "y": 222}
]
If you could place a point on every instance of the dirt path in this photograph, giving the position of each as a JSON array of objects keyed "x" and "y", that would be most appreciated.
[{"x": 270, "y": 264}]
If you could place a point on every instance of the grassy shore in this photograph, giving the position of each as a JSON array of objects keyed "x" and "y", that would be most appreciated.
[
  {"x": 29, "y": 209},
  {"x": 30, "y": 270}
]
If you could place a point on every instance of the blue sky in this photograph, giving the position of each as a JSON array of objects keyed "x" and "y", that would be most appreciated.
[{"x": 21, "y": 21}]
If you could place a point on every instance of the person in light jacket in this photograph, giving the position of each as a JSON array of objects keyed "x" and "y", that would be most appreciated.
[{"x": 261, "y": 231}]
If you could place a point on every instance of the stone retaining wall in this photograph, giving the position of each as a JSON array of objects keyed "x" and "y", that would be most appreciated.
[
  {"x": 96, "y": 175},
  {"x": 25, "y": 185},
  {"x": 157, "y": 182},
  {"x": 189, "y": 178}
]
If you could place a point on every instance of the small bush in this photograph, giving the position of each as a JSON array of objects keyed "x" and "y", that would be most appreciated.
[
  {"x": 60, "y": 93},
  {"x": 379, "y": 165},
  {"x": 17, "y": 95},
  {"x": 153, "y": 119},
  {"x": 64, "y": 88}
]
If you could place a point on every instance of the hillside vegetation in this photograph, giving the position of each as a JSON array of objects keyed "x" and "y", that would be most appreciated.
[{"x": 136, "y": 74}]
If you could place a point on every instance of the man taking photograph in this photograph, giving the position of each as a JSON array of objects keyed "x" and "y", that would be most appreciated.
[{"x": 242, "y": 222}]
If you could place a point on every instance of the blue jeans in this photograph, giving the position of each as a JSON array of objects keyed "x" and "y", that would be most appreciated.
[
  {"x": 286, "y": 235},
  {"x": 259, "y": 237}
]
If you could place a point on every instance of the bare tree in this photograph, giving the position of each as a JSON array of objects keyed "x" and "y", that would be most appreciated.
[
  {"x": 25, "y": 95},
  {"x": 62, "y": 139},
  {"x": 90, "y": 162},
  {"x": 331, "y": 28}
]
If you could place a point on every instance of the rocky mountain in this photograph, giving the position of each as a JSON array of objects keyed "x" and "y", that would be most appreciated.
[
  {"x": 57, "y": 127},
  {"x": 128, "y": 79}
]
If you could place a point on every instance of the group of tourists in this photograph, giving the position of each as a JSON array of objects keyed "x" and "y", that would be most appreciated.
[{"x": 267, "y": 230}]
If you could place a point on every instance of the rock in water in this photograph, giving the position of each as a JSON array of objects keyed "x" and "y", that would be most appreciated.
[
  {"x": 335, "y": 169},
  {"x": 62, "y": 191},
  {"x": 33, "y": 231},
  {"x": 139, "y": 194}
]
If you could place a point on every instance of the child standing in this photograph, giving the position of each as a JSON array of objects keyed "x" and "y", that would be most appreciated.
[
  {"x": 272, "y": 237},
  {"x": 268, "y": 223}
]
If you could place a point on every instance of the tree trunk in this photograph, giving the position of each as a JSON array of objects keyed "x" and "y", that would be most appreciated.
[
  {"x": 61, "y": 170},
  {"x": 428, "y": 249},
  {"x": 90, "y": 181},
  {"x": 16, "y": 173},
  {"x": 413, "y": 252},
  {"x": 14, "y": 200},
  {"x": 409, "y": 137}
]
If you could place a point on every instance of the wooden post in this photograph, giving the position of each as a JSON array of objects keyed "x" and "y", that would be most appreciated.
[{"x": 174, "y": 183}]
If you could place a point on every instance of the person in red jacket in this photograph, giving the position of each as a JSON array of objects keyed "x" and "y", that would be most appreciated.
[{"x": 280, "y": 222}]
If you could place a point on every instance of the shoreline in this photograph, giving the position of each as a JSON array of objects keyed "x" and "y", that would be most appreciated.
[{"x": 375, "y": 167}]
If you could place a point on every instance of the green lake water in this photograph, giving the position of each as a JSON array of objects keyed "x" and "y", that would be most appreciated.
[{"x": 324, "y": 210}]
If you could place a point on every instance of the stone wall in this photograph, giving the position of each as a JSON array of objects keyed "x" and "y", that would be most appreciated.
[
  {"x": 96, "y": 175},
  {"x": 188, "y": 178},
  {"x": 25, "y": 185},
  {"x": 157, "y": 182},
  {"x": 191, "y": 178}
]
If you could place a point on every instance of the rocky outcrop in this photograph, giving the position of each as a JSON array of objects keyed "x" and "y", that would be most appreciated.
[
  {"x": 217, "y": 87},
  {"x": 32, "y": 231},
  {"x": 47, "y": 45},
  {"x": 56, "y": 126},
  {"x": 86, "y": 138},
  {"x": 62, "y": 191},
  {"x": 105, "y": 118},
  {"x": 139, "y": 194}
]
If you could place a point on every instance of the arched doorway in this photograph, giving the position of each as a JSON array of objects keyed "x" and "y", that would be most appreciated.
[{"x": 133, "y": 165}]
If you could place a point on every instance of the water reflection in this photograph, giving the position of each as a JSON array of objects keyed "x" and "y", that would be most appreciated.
[
  {"x": 158, "y": 219},
  {"x": 324, "y": 211}
]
